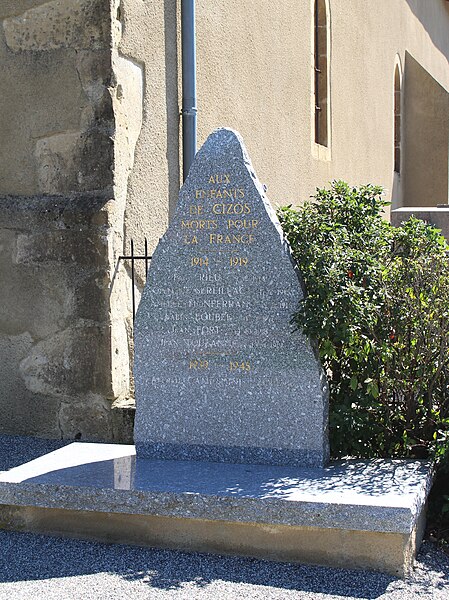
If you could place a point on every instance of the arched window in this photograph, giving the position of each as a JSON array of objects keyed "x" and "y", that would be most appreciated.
[
  {"x": 397, "y": 119},
  {"x": 321, "y": 74}
]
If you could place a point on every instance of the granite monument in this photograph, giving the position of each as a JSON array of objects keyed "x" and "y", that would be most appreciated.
[{"x": 221, "y": 373}]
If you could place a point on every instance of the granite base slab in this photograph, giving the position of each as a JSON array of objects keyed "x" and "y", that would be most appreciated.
[{"x": 366, "y": 514}]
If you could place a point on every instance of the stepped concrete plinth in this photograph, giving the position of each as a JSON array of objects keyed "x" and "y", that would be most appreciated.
[{"x": 352, "y": 514}]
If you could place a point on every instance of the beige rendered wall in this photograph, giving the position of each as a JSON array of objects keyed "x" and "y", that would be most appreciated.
[
  {"x": 150, "y": 38},
  {"x": 255, "y": 74}
]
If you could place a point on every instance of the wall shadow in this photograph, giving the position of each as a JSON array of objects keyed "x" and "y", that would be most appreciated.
[
  {"x": 425, "y": 137},
  {"x": 435, "y": 27}
]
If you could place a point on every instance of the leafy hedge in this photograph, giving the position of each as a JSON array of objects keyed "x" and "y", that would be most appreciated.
[{"x": 378, "y": 305}]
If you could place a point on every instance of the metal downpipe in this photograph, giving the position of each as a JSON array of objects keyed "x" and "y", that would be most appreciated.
[{"x": 189, "y": 108}]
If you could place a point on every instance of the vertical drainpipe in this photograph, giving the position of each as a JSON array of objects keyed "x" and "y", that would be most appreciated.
[{"x": 189, "y": 108}]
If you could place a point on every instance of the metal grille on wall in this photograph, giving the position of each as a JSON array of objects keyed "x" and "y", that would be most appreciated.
[{"x": 133, "y": 258}]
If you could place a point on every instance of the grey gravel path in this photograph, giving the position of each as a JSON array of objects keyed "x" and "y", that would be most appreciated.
[{"x": 36, "y": 566}]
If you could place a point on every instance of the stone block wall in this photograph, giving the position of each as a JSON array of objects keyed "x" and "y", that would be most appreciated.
[
  {"x": 55, "y": 343},
  {"x": 70, "y": 108},
  {"x": 57, "y": 119}
]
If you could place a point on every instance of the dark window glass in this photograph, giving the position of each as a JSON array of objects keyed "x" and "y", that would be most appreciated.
[
  {"x": 321, "y": 59},
  {"x": 397, "y": 121}
]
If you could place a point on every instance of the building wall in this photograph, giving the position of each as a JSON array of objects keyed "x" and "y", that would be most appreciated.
[
  {"x": 426, "y": 135},
  {"x": 90, "y": 158},
  {"x": 255, "y": 74},
  {"x": 64, "y": 161}
]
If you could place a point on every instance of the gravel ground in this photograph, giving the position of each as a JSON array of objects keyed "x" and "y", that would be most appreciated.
[{"x": 37, "y": 566}]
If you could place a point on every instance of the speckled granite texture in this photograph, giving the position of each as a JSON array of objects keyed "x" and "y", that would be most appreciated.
[
  {"x": 220, "y": 374},
  {"x": 379, "y": 496}
]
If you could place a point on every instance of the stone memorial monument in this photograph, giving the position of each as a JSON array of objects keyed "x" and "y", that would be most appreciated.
[
  {"x": 231, "y": 424},
  {"x": 220, "y": 372}
]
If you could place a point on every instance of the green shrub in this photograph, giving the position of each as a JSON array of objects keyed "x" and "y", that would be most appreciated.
[{"x": 377, "y": 303}]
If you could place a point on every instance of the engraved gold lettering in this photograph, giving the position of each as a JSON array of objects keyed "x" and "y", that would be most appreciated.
[
  {"x": 231, "y": 209},
  {"x": 199, "y": 224},
  {"x": 190, "y": 239},
  {"x": 220, "y": 178},
  {"x": 199, "y": 364},
  {"x": 243, "y": 367},
  {"x": 214, "y": 193},
  {"x": 238, "y": 261},
  {"x": 197, "y": 261},
  {"x": 242, "y": 223},
  {"x": 237, "y": 238},
  {"x": 196, "y": 209}
]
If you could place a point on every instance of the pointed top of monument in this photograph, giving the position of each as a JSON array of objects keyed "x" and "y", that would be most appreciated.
[
  {"x": 223, "y": 139},
  {"x": 224, "y": 145}
]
